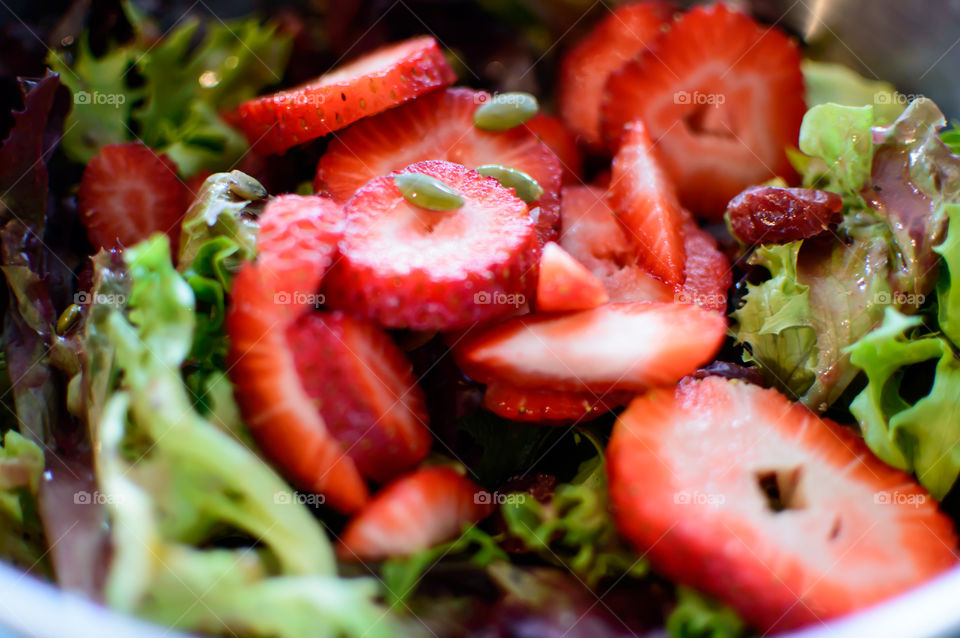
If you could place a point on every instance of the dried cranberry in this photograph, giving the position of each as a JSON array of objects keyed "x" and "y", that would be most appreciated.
[{"x": 770, "y": 215}]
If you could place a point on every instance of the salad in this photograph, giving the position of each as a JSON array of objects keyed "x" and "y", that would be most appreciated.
[{"x": 301, "y": 341}]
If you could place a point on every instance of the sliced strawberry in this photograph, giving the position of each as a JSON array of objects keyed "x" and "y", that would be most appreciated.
[
  {"x": 723, "y": 98},
  {"x": 730, "y": 488},
  {"x": 364, "y": 388},
  {"x": 615, "y": 40},
  {"x": 372, "y": 83},
  {"x": 296, "y": 244},
  {"x": 591, "y": 234},
  {"x": 646, "y": 204},
  {"x": 409, "y": 267},
  {"x": 708, "y": 272},
  {"x": 566, "y": 284},
  {"x": 417, "y": 511},
  {"x": 439, "y": 126},
  {"x": 127, "y": 193},
  {"x": 549, "y": 407},
  {"x": 631, "y": 346},
  {"x": 551, "y": 131},
  {"x": 281, "y": 415}
]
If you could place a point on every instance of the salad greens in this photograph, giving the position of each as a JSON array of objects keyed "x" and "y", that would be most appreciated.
[
  {"x": 173, "y": 480},
  {"x": 218, "y": 234},
  {"x": 922, "y": 437},
  {"x": 697, "y": 616},
  {"x": 897, "y": 182},
  {"x": 574, "y": 529},
  {"x": 21, "y": 535},
  {"x": 170, "y": 93}
]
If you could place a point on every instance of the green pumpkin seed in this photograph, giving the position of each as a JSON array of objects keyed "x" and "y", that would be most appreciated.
[
  {"x": 504, "y": 111},
  {"x": 246, "y": 187},
  {"x": 525, "y": 186},
  {"x": 427, "y": 192},
  {"x": 68, "y": 318}
]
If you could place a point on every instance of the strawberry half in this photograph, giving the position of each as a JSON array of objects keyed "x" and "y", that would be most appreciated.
[
  {"x": 296, "y": 244},
  {"x": 417, "y": 511},
  {"x": 566, "y": 284},
  {"x": 439, "y": 126},
  {"x": 723, "y": 98},
  {"x": 732, "y": 489},
  {"x": 631, "y": 346},
  {"x": 615, "y": 40},
  {"x": 409, "y": 267},
  {"x": 646, "y": 204},
  {"x": 551, "y": 131},
  {"x": 549, "y": 407},
  {"x": 365, "y": 390},
  {"x": 128, "y": 193},
  {"x": 371, "y": 83}
]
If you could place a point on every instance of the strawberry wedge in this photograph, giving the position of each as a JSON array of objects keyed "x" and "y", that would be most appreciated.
[
  {"x": 296, "y": 245},
  {"x": 632, "y": 346},
  {"x": 421, "y": 509},
  {"x": 566, "y": 284},
  {"x": 365, "y": 86},
  {"x": 645, "y": 202}
]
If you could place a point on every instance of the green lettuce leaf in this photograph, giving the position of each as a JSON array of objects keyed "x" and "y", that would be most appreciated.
[
  {"x": 103, "y": 100},
  {"x": 697, "y": 616},
  {"x": 948, "y": 299},
  {"x": 797, "y": 324},
  {"x": 841, "y": 138},
  {"x": 21, "y": 535},
  {"x": 914, "y": 178},
  {"x": 923, "y": 437},
  {"x": 951, "y": 137},
  {"x": 174, "y": 482},
  {"x": 574, "y": 529},
  {"x": 190, "y": 76},
  {"x": 824, "y": 294},
  {"x": 218, "y": 234},
  {"x": 400, "y": 576},
  {"x": 830, "y": 82}
]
